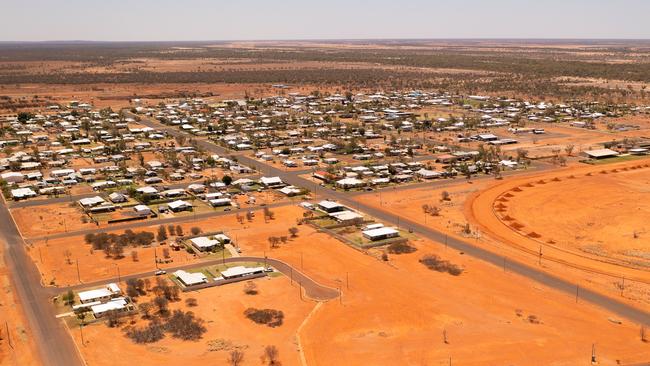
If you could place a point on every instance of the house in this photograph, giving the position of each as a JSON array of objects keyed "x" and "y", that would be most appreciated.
[
  {"x": 204, "y": 243},
  {"x": 196, "y": 188},
  {"x": 180, "y": 205},
  {"x": 347, "y": 183},
  {"x": 271, "y": 182},
  {"x": 118, "y": 304},
  {"x": 331, "y": 206},
  {"x": 241, "y": 271},
  {"x": 600, "y": 153},
  {"x": 91, "y": 201},
  {"x": 101, "y": 294},
  {"x": 220, "y": 202},
  {"x": 117, "y": 197},
  {"x": 290, "y": 191},
  {"x": 13, "y": 177},
  {"x": 142, "y": 210},
  {"x": 22, "y": 193},
  {"x": 380, "y": 233},
  {"x": 346, "y": 217},
  {"x": 190, "y": 279},
  {"x": 427, "y": 174},
  {"x": 148, "y": 191}
]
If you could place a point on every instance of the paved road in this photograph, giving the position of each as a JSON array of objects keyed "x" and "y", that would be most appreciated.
[
  {"x": 52, "y": 339},
  {"x": 613, "y": 305},
  {"x": 312, "y": 289}
]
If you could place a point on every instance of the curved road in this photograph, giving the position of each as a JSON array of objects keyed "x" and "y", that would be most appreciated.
[{"x": 312, "y": 289}]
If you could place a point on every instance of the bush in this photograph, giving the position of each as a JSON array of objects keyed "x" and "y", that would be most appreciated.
[
  {"x": 153, "y": 332},
  {"x": 269, "y": 317},
  {"x": 435, "y": 263},
  {"x": 400, "y": 248},
  {"x": 185, "y": 326}
]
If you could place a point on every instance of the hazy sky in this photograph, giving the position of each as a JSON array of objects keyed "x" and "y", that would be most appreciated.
[{"x": 131, "y": 20}]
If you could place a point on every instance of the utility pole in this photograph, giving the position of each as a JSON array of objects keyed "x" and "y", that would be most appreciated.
[
  {"x": 593, "y": 354},
  {"x": 504, "y": 263},
  {"x": 577, "y": 292},
  {"x": 78, "y": 274},
  {"x": 347, "y": 279},
  {"x": 540, "y": 256},
  {"x": 81, "y": 329},
  {"x": 340, "y": 296},
  {"x": 623, "y": 287},
  {"x": 300, "y": 290},
  {"x": 291, "y": 275},
  {"x": 301, "y": 262},
  {"x": 9, "y": 335}
]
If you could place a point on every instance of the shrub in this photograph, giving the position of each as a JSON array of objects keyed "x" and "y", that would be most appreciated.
[
  {"x": 400, "y": 248},
  {"x": 269, "y": 317},
  {"x": 435, "y": 263}
]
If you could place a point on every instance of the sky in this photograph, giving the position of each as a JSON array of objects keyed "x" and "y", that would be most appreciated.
[{"x": 201, "y": 20}]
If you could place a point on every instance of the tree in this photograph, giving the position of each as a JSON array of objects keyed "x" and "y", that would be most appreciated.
[
  {"x": 569, "y": 149},
  {"x": 145, "y": 309},
  {"x": 274, "y": 241},
  {"x": 185, "y": 325},
  {"x": 171, "y": 229},
  {"x": 444, "y": 196},
  {"x": 249, "y": 216},
  {"x": 161, "y": 303},
  {"x": 134, "y": 255},
  {"x": 179, "y": 230},
  {"x": 113, "y": 318},
  {"x": 236, "y": 357},
  {"x": 131, "y": 288},
  {"x": 162, "y": 234},
  {"x": 195, "y": 230},
  {"x": 271, "y": 355},
  {"x": 68, "y": 298},
  {"x": 293, "y": 231},
  {"x": 227, "y": 180},
  {"x": 191, "y": 302},
  {"x": 165, "y": 253},
  {"x": 250, "y": 288}
]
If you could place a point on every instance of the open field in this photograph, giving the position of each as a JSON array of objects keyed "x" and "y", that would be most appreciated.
[
  {"x": 377, "y": 312},
  {"x": 227, "y": 328}
]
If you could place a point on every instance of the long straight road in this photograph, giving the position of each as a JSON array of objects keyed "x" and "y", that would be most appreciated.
[
  {"x": 613, "y": 305},
  {"x": 52, "y": 339}
]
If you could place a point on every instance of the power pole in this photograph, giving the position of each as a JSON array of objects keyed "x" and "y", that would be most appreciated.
[
  {"x": 78, "y": 274},
  {"x": 300, "y": 290},
  {"x": 577, "y": 292},
  {"x": 347, "y": 279},
  {"x": 593, "y": 354},
  {"x": 9, "y": 335},
  {"x": 540, "y": 256},
  {"x": 81, "y": 330}
]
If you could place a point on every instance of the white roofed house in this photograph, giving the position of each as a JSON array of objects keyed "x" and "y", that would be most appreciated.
[
  {"x": 179, "y": 205},
  {"x": 427, "y": 174},
  {"x": 101, "y": 294},
  {"x": 91, "y": 202},
  {"x": 347, "y": 183},
  {"x": 22, "y": 193},
  {"x": 142, "y": 210},
  {"x": 204, "y": 243},
  {"x": 380, "y": 233},
  {"x": 13, "y": 177},
  {"x": 190, "y": 279},
  {"x": 271, "y": 182}
]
